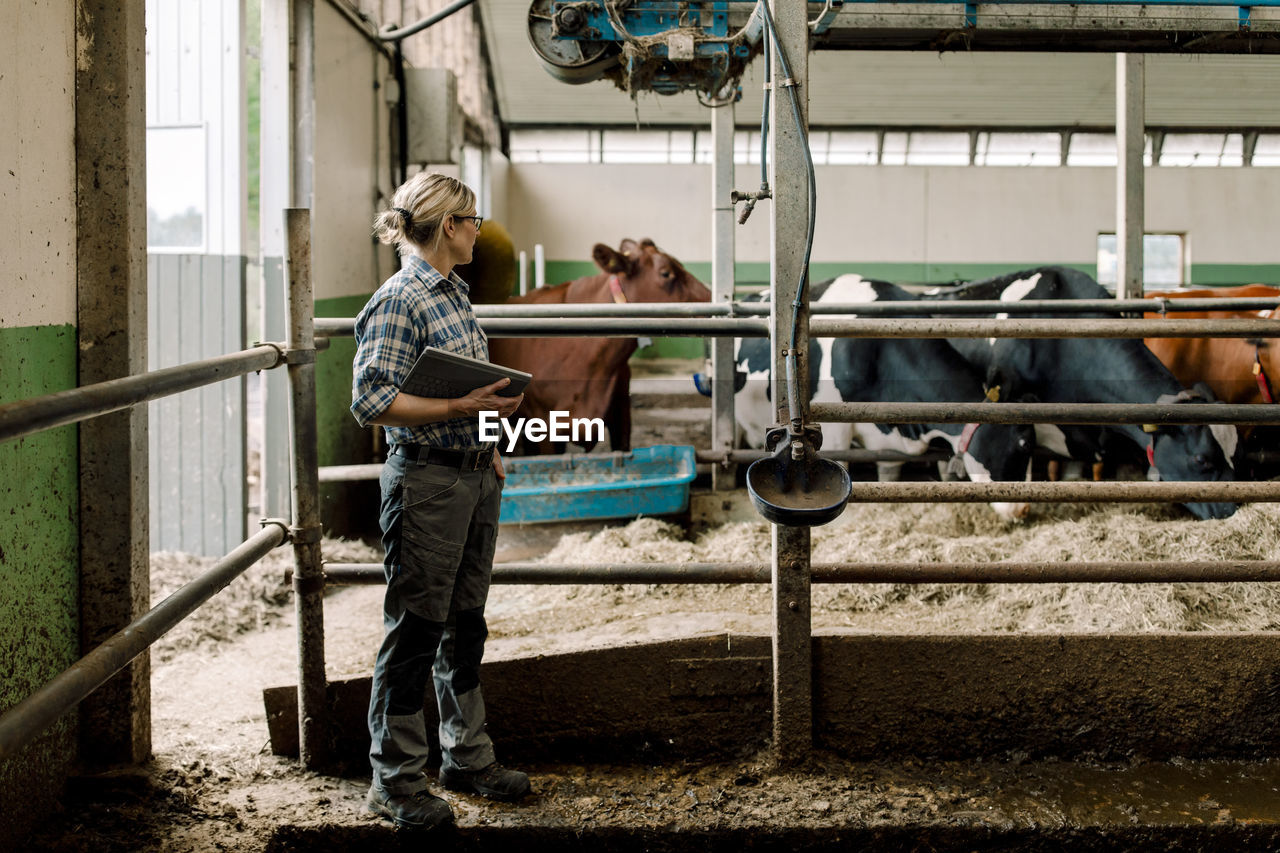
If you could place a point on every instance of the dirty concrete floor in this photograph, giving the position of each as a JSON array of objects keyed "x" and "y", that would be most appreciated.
[
  {"x": 214, "y": 786},
  {"x": 265, "y": 803}
]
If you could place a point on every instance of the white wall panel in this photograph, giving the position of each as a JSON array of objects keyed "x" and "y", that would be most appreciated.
[
  {"x": 901, "y": 214},
  {"x": 37, "y": 165},
  {"x": 350, "y": 120}
]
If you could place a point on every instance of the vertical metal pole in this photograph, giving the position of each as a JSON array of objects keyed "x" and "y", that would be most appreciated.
[
  {"x": 308, "y": 579},
  {"x": 723, "y": 428},
  {"x": 1130, "y": 174},
  {"x": 792, "y": 641},
  {"x": 303, "y": 100}
]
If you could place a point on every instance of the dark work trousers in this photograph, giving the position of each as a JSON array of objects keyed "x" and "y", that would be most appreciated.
[{"x": 439, "y": 527}]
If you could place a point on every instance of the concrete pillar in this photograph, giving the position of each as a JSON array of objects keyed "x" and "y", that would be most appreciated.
[
  {"x": 1130, "y": 173},
  {"x": 111, "y": 294}
]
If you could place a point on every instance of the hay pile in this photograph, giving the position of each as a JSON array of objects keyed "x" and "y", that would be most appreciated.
[
  {"x": 971, "y": 532},
  {"x": 256, "y": 600}
]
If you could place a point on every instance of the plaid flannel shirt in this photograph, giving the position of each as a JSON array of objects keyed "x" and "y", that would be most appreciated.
[{"x": 414, "y": 308}]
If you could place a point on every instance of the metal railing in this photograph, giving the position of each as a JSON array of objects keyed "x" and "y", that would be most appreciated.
[{"x": 23, "y": 722}]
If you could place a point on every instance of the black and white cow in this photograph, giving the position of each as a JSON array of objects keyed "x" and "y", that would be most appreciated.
[
  {"x": 1097, "y": 370},
  {"x": 886, "y": 370}
]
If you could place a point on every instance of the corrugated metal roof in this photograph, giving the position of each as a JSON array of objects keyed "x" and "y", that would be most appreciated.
[{"x": 908, "y": 88}]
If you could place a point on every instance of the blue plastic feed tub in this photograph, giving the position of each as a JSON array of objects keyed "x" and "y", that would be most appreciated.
[{"x": 645, "y": 481}]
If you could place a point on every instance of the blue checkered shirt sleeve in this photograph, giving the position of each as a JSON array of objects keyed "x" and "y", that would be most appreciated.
[{"x": 416, "y": 307}]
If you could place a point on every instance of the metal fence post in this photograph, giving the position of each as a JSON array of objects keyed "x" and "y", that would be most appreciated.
[
  {"x": 308, "y": 579},
  {"x": 722, "y": 282},
  {"x": 792, "y": 641}
]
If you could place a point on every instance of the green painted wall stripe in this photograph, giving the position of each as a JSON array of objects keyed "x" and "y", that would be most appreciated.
[
  {"x": 341, "y": 441},
  {"x": 1228, "y": 274},
  {"x": 39, "y": 518}
]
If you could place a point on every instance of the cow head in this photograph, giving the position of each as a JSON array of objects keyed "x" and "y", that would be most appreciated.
[
  {"x": 645, "y": 273},
  {"x": 1193, "y": 452}
]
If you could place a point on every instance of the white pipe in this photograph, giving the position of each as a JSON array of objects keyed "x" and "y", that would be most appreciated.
[
  {"x": 524, "y": 273},
  {"x": 539, "y": 265}
]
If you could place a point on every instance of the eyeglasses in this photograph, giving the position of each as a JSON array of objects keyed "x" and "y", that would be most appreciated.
[{"x": 478, "y": 220}]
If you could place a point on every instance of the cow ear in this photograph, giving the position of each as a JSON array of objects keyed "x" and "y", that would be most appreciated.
[
  {"x": 609, "y": 260},
  {"x": 630, "y": 247}
]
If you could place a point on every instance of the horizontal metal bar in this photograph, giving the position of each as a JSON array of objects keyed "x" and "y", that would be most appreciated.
[
  {"x": 622, "y": 327},
  {"x": 1045, "y": 413},
  {"x": 715, "y": 457},
  {"x": 911, "y": 327},
  {"x": 852, "y": 454},
  {"x": 931, "y": 307},
  {"x": 593, "y": 326},
  {"x": 24, "y": 417},
  {"x": 869, "y": 327},
  {"x": 356, "y": 473},
  {"x": 1191, "y": 491},
  {"x": 22, "y": 723},
  {"x": 1052, "y": 3},
  {"x": 1147, "y": 571},
  {"x": 336, "y": 326},
  {"x": 611, "y": 309},
  {"x": 349, "y": 473}
]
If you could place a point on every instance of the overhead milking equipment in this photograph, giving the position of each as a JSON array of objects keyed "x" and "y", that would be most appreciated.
[
  {"x": 648, "y": 45},
  {"x": 671, "y": 47}
]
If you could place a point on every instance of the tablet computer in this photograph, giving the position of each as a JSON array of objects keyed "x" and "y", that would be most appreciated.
[{"x": 440, "y": 373}]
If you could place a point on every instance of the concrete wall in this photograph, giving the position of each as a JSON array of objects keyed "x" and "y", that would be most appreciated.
[
  {"x": 1113, "y": 697},
  {"x": 39, "y": 494},
  {"x": 906, "y": 223}
]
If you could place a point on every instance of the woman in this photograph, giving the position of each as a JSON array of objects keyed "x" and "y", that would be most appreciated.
[{"x": 441, "y": 489}]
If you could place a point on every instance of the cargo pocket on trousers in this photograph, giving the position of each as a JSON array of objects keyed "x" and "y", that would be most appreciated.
[
  {"x": 428, "y": 570},
  {"x": 423, "y": 483}
]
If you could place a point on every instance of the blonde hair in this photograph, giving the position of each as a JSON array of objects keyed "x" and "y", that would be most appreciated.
[{"x": 418, "y": 210}]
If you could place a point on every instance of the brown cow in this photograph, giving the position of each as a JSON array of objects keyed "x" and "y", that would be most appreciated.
[
  {"x": 1226, "y": 365},
  {"x": 590, "y": 377}
]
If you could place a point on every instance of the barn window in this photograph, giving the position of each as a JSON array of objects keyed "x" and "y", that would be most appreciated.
[
  {"x": 1162, "y": 259},
  {"x": 636, "y": 146},
  {"x": 852, "y": 148},
  {"x": 177, "y": 194},
  {"x": 1267, "y": 150},
  {"x": 1018, "y": 149},
  {"x": 1097, "y": 149},
  {"x": 746, "y": 146},
  {"x": 554, "y": 146},
  {"x": 894, "y": 151},
  {"x": 1202, "y": 149},
  {"x": 927, "y": 148}
]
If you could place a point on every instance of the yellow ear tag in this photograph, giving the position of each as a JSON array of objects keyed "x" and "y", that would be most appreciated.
[
  {"x": 993, "y": 394},
  {"x": 1257, "y": 368},
  {"x": 1150, "y": 428}
]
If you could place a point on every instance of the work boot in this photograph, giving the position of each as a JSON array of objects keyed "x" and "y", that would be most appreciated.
[
  {"x": 422, "y": 810},
  {"x": 495, "y": 782}
]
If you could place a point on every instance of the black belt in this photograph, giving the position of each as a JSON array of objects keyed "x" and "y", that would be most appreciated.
[{"x": 467, "y": 460}]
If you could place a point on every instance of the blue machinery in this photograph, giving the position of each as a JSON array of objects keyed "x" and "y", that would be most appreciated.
[{"x": 666, "y": 46}]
